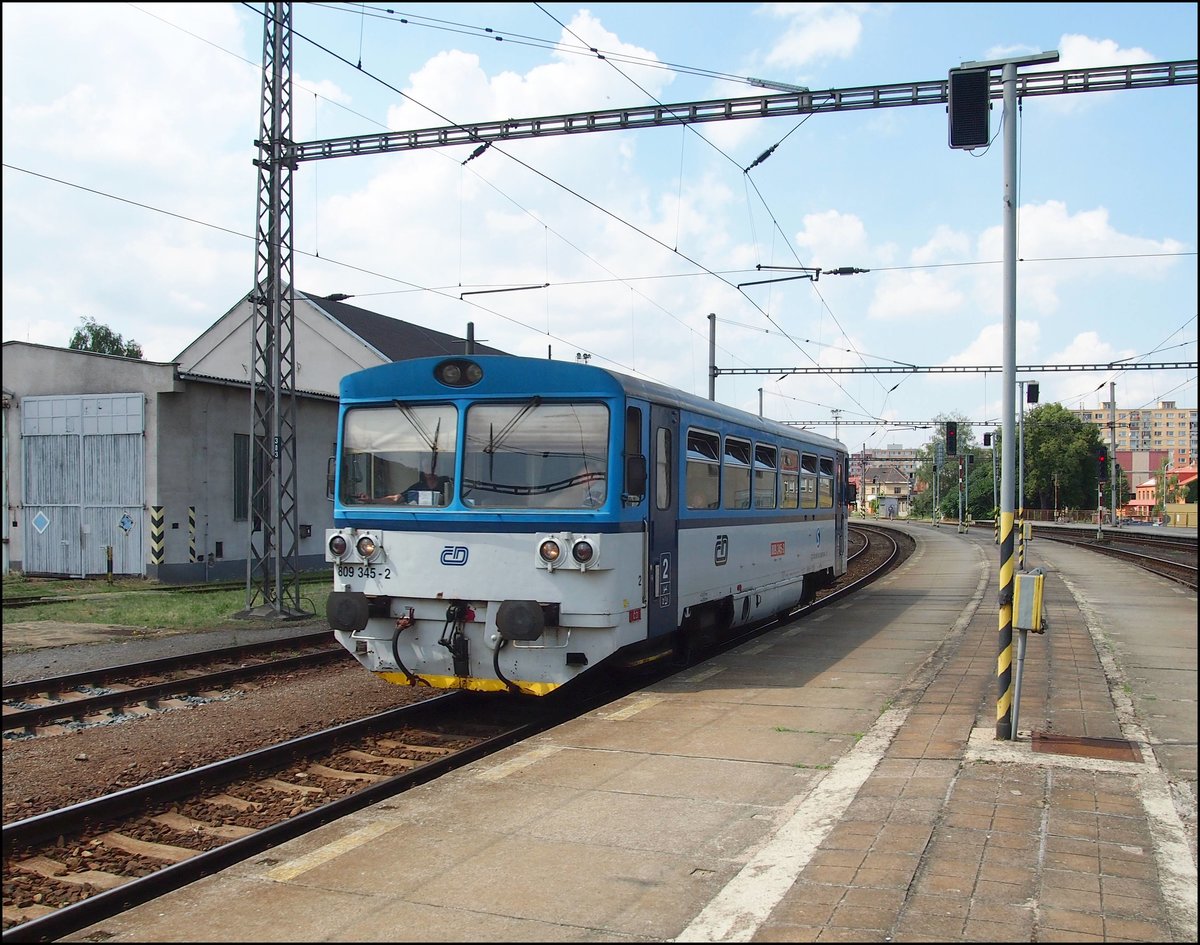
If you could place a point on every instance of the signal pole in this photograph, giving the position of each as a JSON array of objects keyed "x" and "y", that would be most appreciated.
[
  {"x": 1112, "y": 445},
  {"x": 1008, "y": 80}
]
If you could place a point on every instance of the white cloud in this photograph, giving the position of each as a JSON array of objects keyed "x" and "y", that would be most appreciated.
[
  {"x": 916, "y": 295},
  {"x": 832, "y": 236},
  {"x": 815, "y": 31},
  {"x": 1077, "y": 51},
  {"x": 1048, "y": 233}
]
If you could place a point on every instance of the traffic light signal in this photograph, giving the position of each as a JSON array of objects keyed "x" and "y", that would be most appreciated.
[
  {"x": 951, "y": 438},
  {"x": 968, "y": 106},
  {"x": 1102, "y": 463}
]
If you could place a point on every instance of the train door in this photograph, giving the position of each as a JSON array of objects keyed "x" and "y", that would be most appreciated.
[{"x": 663, "y": 600}]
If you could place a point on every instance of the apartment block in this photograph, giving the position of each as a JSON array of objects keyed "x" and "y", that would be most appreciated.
[{"x": 1166, "y": 427}]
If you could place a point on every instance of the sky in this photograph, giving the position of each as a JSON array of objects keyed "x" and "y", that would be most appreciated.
[{"x": 130, "y": 193}]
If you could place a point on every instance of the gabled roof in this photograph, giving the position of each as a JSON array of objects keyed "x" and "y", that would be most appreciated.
[
  {"x": 396, "y": 340},
  {"x": 886, "y": 475}
]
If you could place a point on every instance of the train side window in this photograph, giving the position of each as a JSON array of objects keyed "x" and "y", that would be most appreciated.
[
  {"x": 789, "y": 474},
  {"x": 635, "y": 486},
  {"x": 808, "y": 481},
  {"x": 703, "y": 474},
  {"x": 825, "y": 499},
  {"x": 764, "y": 476},
  {"x": 662, "y": 468},
  {"x": 736, "y": 473}
]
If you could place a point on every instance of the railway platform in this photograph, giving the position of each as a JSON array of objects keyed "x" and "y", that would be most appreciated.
[{"x": 839, "y": 778}]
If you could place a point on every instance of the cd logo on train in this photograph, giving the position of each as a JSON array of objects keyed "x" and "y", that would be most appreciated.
[{"x": 454, "y": 556}]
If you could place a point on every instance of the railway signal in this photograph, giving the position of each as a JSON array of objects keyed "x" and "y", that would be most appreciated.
[{"x": 951, "y": 438}]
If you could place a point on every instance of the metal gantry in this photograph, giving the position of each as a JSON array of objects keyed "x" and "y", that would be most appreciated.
[
  {"x": 802, "y": 102},
  {"x": 964, "y": 368},
  {"x": 272, "y": 570}
]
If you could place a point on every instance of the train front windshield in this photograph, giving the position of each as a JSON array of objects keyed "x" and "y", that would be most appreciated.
[{"x": 527, "y": 455}]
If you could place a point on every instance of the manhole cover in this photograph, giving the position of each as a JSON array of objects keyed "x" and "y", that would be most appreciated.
[{"x": 1083, "y": 746}]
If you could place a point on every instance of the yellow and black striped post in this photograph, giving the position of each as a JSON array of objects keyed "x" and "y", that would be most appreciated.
[
  {"x": 1004, "y": 683},
  {"x": 192, "y": 534},
  {"x": 1021, "y": 537},
  {"x": 156, "y": 534}
]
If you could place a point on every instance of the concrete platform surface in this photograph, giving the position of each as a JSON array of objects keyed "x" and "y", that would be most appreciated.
[{"x": 837, "y": 779}]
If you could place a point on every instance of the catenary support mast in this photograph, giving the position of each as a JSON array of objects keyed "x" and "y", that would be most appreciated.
[{"x": 272, "y": 570}]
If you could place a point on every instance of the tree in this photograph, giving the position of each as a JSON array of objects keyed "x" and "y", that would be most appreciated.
[
  {"x": 1059, "y": 448},
  {"x": 102, "y": 340}
]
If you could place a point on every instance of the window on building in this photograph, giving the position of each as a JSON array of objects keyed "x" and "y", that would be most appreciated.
[{"x": 241, "y": 481}]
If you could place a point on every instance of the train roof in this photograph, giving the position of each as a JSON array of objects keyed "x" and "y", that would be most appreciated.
[{"x": 511, "y": 375}]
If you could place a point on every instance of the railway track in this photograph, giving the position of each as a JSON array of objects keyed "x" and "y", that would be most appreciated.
[
  {"x": 42, "y": 706},
  {"x": 1172, "y": 558},
  {"x": 69, "y": 868},
  {"x": 78, "y": 865}
]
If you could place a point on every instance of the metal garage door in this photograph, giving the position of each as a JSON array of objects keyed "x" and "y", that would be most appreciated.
[{"x": 83, "y": 461}]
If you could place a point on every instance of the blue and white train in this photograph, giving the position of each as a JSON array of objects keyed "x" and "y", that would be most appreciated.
[{"x": 507, "y": 523}]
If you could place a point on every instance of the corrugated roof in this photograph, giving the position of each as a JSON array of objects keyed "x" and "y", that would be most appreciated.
[{"x": 395, "y": 339}]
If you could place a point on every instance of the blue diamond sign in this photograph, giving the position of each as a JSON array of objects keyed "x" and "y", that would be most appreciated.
[{"x": 40, "y": 522}]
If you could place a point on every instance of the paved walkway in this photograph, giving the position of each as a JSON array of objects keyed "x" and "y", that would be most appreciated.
[{"x": 959, "y": 836}]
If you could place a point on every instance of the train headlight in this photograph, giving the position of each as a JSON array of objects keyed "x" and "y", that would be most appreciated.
[
  {"x": 367, "y": 547},
  {"x": 583, "y": 552},
  {"x": 550, "y": 551},
  {"x": 460, "y": 372},
  {"x": 338, "y": 546}
]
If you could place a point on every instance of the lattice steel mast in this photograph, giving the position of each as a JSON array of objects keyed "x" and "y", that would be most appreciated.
[{"x": 272, "y": 571}]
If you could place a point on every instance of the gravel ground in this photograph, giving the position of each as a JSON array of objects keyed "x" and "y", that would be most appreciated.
[{"x": 45, "y": 773}]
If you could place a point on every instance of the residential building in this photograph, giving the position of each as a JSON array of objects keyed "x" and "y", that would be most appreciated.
[
  {"x": 887, "y": 490},
  {"x": 902, "y": 458},
  {"x": 1166, "y": 427}
]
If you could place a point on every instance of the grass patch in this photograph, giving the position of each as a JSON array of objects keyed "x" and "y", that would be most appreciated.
[{"x": 136, "y": 602}]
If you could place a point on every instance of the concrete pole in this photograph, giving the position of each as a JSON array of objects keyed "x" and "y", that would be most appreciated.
[{"x": 712, "y": 355}]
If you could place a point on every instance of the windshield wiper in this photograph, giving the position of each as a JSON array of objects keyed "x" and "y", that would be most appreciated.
[{"x": 495, "y": 440}]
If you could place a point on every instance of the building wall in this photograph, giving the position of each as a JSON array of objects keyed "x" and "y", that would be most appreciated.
[
  {"x": 195, "y": 463},
  {"x": 1164, "y": 427},
  {"x": 188, "y": 456},
  {"x": 41, "y": 371},
  {"x": 905, "y": 459},
  {"x": 224, "y": 350}
]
